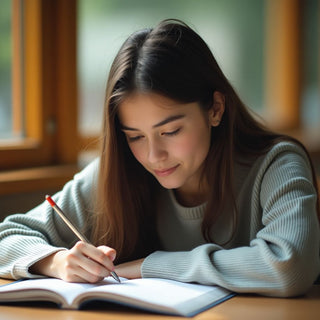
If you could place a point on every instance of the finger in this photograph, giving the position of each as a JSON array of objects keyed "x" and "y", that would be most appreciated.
[
  {"x": 86, "y": 276},
  {"x": 110, "y": 252},
  {"x": 81, "y": 275},
  {"x": 79, "y": 268},
  {"x": 103, "y": 255},
  {"x": 73, "y": 278},
  {"x": 98, "y": 263},
  {"x": 74, "y": 266},
  {"x": 94, "y": 268}
]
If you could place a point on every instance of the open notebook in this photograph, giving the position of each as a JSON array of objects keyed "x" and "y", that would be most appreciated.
[{"x": 156, "y": 295}]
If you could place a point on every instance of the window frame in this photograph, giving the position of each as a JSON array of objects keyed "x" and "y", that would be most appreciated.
[
  {"x": 284, "y": 74},
  {"x": 45, "y": 82},
  {"x": 283, "y": 64}
]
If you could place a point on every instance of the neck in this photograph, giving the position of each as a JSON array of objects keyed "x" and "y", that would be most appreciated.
[{"x": 190, "y": 199}]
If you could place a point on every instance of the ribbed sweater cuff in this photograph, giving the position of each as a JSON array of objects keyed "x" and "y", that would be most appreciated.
[
  {"x": 182, "y": 265},
  {"x": 160, "y": 265},
  {"x": 35, "y": 254}
]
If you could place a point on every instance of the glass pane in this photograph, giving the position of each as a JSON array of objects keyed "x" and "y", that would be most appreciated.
[
  {"x": 233, "y": 29},
  {"x": 5, "y": 70},
  {"x": 311, "y": 69}
]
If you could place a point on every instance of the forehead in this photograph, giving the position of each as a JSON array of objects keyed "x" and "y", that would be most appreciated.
[{"x": 149, "y": 108}]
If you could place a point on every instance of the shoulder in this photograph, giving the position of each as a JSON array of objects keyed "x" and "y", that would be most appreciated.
[
  {"x": 287, "y": 148},
  {"x": 89, "y": 171},
  {"x": 285, "y": 155},
  {"x": 85, "y": 180},
  {"x": 285, "y": 169},
  {"x": 282, "y": 159}
]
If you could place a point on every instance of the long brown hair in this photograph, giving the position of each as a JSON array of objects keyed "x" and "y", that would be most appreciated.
[{"x": 171, "y": 60}]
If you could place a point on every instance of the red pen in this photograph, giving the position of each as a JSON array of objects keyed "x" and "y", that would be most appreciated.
[{"x": 73, "y": 228}]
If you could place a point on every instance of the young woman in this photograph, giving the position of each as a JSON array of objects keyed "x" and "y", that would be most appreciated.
[{"x": 188, "y": 185}]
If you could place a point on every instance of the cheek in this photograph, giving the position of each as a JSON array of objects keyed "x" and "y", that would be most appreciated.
[
  {"x": 138, "y": 152},
  {"x": 183, "y": 148},
  {"x": 195, "y": 145}
]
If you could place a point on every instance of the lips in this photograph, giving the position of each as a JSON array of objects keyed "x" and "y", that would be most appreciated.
[{"x": 165, "y": 172}]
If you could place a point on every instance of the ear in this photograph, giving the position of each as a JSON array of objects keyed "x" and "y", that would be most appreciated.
[{"x": 217, "y": 109}]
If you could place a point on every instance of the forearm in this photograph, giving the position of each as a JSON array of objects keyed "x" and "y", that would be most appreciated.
[
  {"x": 28, "y": 238},
  {"x": 18, "y": 254},
  {"x": 253, "y": 269},
  {"x": 46, "y": 266}
]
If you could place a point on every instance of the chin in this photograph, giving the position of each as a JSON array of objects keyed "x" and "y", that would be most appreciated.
[{"x": 169, "y": 185}]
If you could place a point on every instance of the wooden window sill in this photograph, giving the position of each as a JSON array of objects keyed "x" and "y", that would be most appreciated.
[{"x": 36, "y": 179}]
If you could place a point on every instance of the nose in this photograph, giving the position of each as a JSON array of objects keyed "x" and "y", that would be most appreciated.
[{"x": 157, "y": 152}]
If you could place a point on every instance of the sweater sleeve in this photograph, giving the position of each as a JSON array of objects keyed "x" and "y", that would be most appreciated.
[
  {"x": 30, "y": 237},
  {"x": 282, "y": 258}
]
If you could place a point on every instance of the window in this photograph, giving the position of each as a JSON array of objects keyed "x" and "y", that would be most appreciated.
[
  {"x": 311, "y": 63},
  {"x": 269, "y": 51},
  {"x": 5, "y": 70},
  {"x": 55, "y": 56},
  {"x": 44, "y": 89},
  {"x": 233, "y": 29},
  {"x": 44, "y": 86},
  {"x": 292, "y": 71}
]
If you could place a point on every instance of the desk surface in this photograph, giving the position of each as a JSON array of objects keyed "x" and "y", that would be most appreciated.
[{"x": 240, "y": 307}]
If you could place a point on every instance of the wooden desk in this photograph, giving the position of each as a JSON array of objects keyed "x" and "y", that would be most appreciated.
[{"x": 240, "y": 307}]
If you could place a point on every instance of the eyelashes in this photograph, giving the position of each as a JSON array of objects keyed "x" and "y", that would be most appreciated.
[
  {"x": 169, "y": 134},
  {"x": 135, "y": 138}
]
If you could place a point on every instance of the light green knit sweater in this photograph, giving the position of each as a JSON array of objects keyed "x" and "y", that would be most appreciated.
[{"x": 275, "y": 250}]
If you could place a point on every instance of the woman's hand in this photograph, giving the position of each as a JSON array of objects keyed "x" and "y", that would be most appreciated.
[
  {"x": 130, "y": 270},
  {"x": 82, "y": 263}
]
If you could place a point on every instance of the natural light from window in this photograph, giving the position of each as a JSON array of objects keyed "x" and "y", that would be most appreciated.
[
  {"x": 103, "y": 25},
  {"x": 6, "y": 122}
]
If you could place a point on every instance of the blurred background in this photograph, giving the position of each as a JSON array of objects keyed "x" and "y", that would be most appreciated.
[{"x": 54, "y": 61}]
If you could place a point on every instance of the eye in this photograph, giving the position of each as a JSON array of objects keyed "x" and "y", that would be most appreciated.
[
  {"x": 172, "y": 133},
  {"x": 133, "y": 139}
]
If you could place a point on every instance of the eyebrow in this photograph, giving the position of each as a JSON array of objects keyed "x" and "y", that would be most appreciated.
[{"x": 159, "y": 124}]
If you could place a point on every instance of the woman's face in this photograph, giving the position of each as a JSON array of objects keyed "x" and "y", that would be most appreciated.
[{"x": 171, "y": 140}]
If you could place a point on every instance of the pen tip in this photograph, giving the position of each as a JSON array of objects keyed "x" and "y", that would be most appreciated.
[{"x": 115, "y": 276}]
